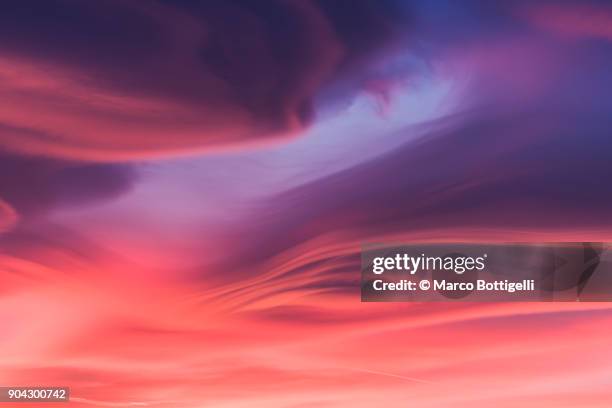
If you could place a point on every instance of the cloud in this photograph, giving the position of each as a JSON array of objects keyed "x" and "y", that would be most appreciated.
[
  {"x": 31, "y": 186},
  {"x": 573, "y": 20},
  {"x": 528, "y": 140},
  {"x": 92, "y": 322},
  {"x": 534, "y": 167},
  {"x": 118, "y": 81},
  {"x": 275, "y": 320},
  {"x": 8, "y": 216}
]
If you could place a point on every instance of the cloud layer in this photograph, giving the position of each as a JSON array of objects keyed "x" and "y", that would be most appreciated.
[{"x": 231, "y": 278}]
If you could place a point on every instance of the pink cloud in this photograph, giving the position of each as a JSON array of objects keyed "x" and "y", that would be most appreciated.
[{"x": 573, "y": 19}]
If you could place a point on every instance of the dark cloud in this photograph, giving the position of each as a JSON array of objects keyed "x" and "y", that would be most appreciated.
[
  {"x": 116, "y": 80},
  {"x": 33, "y": 185}
]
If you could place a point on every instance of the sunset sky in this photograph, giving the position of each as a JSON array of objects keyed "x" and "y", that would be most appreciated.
[{"x": 185, "y": 187}]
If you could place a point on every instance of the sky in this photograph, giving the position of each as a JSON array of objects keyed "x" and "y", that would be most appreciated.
[{"x": 185, "y": 188}]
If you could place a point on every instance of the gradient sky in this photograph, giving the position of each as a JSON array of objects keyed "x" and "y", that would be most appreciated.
[{"x": 185, "y": 187}]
